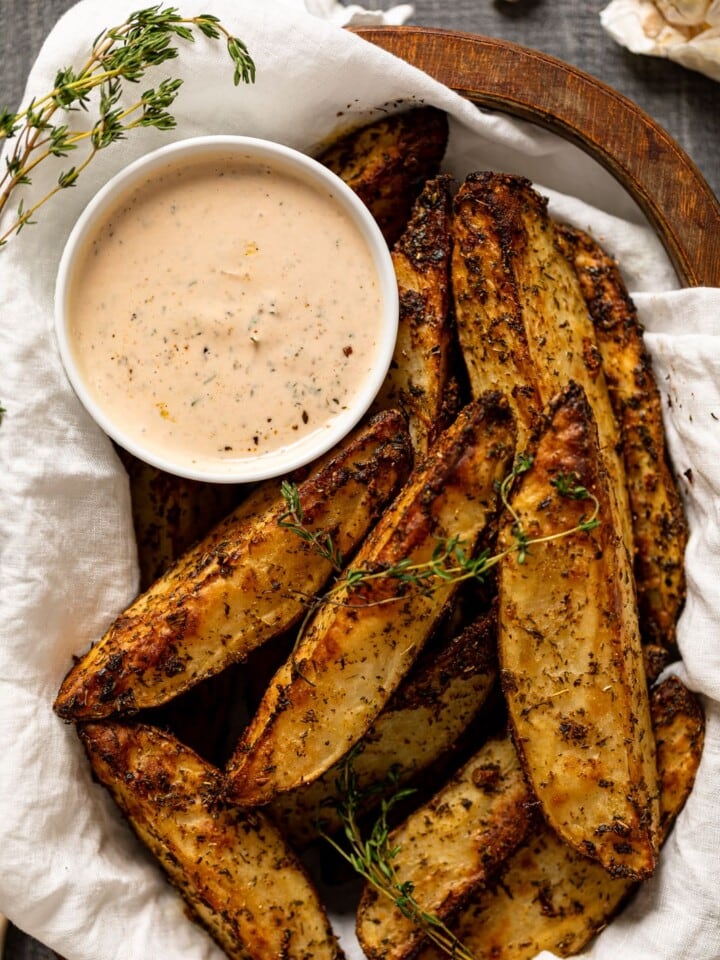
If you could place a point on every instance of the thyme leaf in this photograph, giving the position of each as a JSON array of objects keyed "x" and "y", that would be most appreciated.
[
  {"x": 293, "y": 519},
  {"x": 373, "y": 857},
  {"x": 450, "y": 563},
  {"x": 119, "y": 55}
]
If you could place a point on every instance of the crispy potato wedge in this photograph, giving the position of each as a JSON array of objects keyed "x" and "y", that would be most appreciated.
[
  {"x": 660, "y": 530},
  {"x": 387, "y": 162},
  {"x": 449, "y": 847},
  {"x": 244, "y": 583},
  {"x": 570, "y": 653},
  {"x": 679, "y": 726},
  {"x": 238, "y": 876},
  {"x": 419, "y": 726},
  {"x": 491, "y": 328},
  {"x": 655, "y": 658},
  {"x": 171, "y": 513},
  {"x": 549, "y": 897},
  {"x": 522, "y": 320},
  {"x": 418, "y": 380},
  {"x": 359, "y": 647}
]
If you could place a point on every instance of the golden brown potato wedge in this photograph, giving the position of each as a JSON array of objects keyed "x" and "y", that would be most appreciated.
[
  {"x": 245, "y": 582},
  {"x": 171, "y": 513},
  {"x": 419, "y": 726},
  {"x": 449, "y": 847},
  {"x": 234, "y": 869},
  {"x": 660, "y": 530},
  {"x": 358, "y": 647},
  {"x": 491, "y": 328},
  {"x": 655, "y": 658},
  {"x": 570, "y": 653},
  {"x": 549, "y": 897},
  {"x": 387, "y": 162},
  {"x": 522, "y": 320},
  {"x": 418, "y": 380}
]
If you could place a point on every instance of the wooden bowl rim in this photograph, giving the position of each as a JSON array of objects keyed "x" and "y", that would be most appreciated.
[{"x": 634, "y": 148}]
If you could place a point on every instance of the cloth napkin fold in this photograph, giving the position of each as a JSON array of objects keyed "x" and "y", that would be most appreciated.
[
  {"x": 73, "y": 874},
  {"x": 355, "y": 15}
]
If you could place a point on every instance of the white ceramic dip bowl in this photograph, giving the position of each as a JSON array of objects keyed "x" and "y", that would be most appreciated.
[{"x": 226, "y": 309}]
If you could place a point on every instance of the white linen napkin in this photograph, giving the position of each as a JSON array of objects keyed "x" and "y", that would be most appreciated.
[
  {"x": 73, "y": 875},
  {"x": 686, "y": 31},
  {"x": 354, "y": 15}
]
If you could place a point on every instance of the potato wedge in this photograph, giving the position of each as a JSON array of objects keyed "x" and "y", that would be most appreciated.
[
  {"x": 171, "y": 513},
  {"x": 358, "y": 648},
  {"x": 244, "y": 583},
  {"x": 570, "y": 653},
  {"x": 419, "y": 726},
  {"x": 418, "y": 379},
  {"x": 491, "y": 328},
  {"x": 235, "y": 871},
  {"x": 551, "y": 898},
  {"x": 387, "y": 162},
  {"x": 522, "y": 320},
  {"x": 449, "y": 847},
  {"x": 655, "y": 658},
  {"x": 660, "y": 530}
]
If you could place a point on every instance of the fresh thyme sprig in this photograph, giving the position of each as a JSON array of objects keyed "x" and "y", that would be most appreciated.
[
  {"x": 122, "y": 53},
  {"x": 373, "y": 857},
  {"x": 450, "y": 561},
  {"x": 293, "y": 519}
]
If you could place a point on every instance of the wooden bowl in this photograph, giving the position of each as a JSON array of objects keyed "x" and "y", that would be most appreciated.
[{"x": 640, "y": 154}]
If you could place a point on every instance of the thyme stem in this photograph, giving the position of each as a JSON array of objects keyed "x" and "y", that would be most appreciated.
[
  {"x": 123, "y": 53},
  {"x": 373, "y": 857},
  {"x": 449, "y": 563}
]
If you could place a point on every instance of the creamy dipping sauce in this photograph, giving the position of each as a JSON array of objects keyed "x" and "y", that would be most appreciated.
[{"x": 223, "y": 309}]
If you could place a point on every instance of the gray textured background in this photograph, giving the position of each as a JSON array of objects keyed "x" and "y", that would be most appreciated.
[{"x": 685, "y": 103}]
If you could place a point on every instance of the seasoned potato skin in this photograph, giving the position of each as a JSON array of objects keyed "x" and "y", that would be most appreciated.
[
  {"x": 388, "y": 161},
  {"x": 548, "y": 896},
  {"x": 570, "y": 655},
  {"x": 421, "y": 369},
  {"x": 522, "y": 320},
  {"x": 487, "y": 240},
  {"x": 241, "y": 585},
  {"x": 171, "y": 513},
  {"x": 660, "y": 529},
  {"x": 449, "y": 847},
  {"x": 420, "y": 725},
  {"x": 356, "y": 651},
  {"x": 233, "y": 868}
]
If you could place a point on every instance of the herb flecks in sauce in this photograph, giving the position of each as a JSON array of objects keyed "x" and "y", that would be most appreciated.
[{"x": 240, "y": 322}]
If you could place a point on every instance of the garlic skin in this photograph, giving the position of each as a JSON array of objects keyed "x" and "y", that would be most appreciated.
[
  {"x": 685, "y": 13},
  {"x": 685, "y": 31}
]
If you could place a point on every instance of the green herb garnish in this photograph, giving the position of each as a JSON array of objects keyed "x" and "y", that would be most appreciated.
[
  {"x": 119, "y": 54},
  {"x": 450, "y": 562},
  {"x": 373, "y": 857}
]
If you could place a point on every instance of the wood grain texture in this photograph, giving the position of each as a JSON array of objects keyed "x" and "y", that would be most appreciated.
[{"x": 639, "y": 153}]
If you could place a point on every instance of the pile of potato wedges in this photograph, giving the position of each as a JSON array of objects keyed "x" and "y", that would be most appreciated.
[{"x": 519, "y": 423}]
